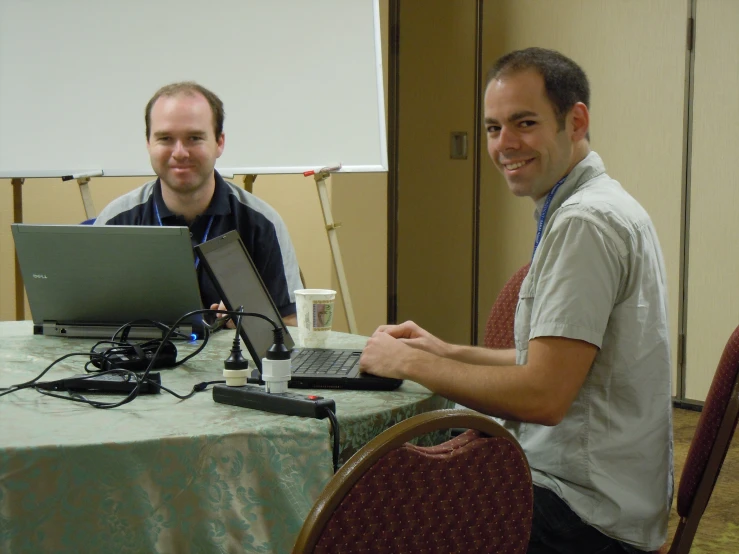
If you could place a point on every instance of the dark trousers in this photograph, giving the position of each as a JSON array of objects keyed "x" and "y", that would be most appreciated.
[{"x": 557, "y": 529}]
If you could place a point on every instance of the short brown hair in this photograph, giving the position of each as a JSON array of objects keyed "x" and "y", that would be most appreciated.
[
  {"x": 565, "y": 82},
  {"x": 188, "y": 88}
]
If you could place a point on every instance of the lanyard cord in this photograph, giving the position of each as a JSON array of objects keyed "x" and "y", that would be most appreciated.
[
  {"x": 543, "y": 216},
  {"x": 205, "y": 236}
]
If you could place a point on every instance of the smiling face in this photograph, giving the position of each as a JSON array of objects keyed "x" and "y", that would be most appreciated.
[
  {"x": 182, "y": 144},
  {"x": 527, "y": 143}
]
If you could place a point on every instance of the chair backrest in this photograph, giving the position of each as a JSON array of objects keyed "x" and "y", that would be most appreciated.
[
  {"x": 499, "y": 329},
  {"x": 472, "y": 493},
  {"x": 709, "y": 446}
]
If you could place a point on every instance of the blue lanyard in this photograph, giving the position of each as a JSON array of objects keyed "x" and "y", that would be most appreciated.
[
  {"x": 205, "y": 236},
  {"x": 543, "y": 216}
]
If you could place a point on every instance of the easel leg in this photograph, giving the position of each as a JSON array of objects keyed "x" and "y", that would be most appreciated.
[
  {"x": 249, "y": 183},
  {"x": 335, "y": 251},
  {"x": 84, "y": 184},
  {"x": 20, "y": 303}
]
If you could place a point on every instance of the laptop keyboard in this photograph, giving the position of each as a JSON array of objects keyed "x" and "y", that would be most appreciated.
[{"x": 318, "y": 361}]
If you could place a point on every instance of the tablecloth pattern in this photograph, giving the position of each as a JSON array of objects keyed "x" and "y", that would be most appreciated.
[{"x": 163, "y": 475}]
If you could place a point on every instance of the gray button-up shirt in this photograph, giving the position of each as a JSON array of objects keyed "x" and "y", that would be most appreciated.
[{"x": 598, "y": 276}]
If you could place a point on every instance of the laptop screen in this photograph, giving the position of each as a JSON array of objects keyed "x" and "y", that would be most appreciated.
[
  {"x": 239, "y": 283},
  {"x": 232, "y": 270}
]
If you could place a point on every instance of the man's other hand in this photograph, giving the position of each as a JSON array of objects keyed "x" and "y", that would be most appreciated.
[
  {"x": 416, "y": 337},
  {"x": 392, "y": 349},
  {"x": 222, "y": 306},
  {"x": 385, "y": 356}
]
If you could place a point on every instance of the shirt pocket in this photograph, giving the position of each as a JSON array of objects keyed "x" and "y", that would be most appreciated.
[{"x": 522, "y": 324}]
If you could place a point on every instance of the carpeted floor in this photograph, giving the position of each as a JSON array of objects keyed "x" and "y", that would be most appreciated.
[{"x": 718, "y": 532}]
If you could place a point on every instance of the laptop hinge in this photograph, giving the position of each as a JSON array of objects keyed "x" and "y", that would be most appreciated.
[{"x": 96, "y": 331}]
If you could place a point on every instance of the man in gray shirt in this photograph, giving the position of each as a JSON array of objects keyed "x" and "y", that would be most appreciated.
[{"x": 587, "y": 389}]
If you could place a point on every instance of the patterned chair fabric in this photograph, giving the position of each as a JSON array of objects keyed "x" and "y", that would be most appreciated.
[
  {"x": 499, "y": 329},
  {"x": 470, "y": 494},
  {"x": 708, "y": 448}
]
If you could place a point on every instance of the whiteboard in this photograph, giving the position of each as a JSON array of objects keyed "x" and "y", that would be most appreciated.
[{"x": 301, "y": 82}]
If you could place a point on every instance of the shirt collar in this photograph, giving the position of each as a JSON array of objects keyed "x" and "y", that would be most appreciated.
[
  {"x": 589, "y": 167},
  {"x": 219, "y": 204}
]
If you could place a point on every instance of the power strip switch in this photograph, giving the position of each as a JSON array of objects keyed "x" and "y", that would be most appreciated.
[{"x": 287, "y": 403}]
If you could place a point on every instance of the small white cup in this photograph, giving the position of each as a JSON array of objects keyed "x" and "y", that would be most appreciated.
[{"x": 315, "y": 316}]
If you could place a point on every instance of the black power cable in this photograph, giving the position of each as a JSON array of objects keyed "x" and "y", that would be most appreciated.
[
  {"x": 139, "y": 378},
  {"x": 32, "y": 382},
  {"x": 143, "y": 378},
  {"x": 335, "y": 427},
  {"x": 126, "y": 328}
]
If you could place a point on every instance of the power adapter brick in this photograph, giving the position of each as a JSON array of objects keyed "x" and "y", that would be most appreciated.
[
  {"x": 135, "y": 357},
  {"x": 113, "y": 383}
]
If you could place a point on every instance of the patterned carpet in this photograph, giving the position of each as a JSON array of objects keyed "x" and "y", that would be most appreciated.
[{"x": 718, "y": 532}]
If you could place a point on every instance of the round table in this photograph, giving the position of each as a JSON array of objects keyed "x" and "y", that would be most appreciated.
[{"x": 162, "y": 474}]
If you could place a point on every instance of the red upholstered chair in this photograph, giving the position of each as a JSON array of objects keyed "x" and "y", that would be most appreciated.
[
  {"x": 708, "y": 448},
  {"x": 470, "y": 494},
  {"x": 499, "y": 330}
]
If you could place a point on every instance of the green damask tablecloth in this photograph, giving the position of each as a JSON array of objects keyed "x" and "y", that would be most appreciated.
[{"x": 163, "y": 475}]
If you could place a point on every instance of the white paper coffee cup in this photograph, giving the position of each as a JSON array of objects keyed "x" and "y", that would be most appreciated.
[{"x": 315, "y": 316}]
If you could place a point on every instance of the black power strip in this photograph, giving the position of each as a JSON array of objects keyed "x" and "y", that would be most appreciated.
[{"x": 287, "y": 403}]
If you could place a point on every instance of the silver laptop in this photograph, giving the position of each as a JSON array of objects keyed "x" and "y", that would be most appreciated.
[
  {"x": 238, "y": 282},
  {"x": 88, "y": 281}
]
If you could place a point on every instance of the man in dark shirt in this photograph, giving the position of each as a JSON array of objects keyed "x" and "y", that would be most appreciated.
[{"x": 184, "y": 137}]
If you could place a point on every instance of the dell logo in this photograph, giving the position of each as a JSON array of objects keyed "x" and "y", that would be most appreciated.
[{"x": 39, "y": 276}]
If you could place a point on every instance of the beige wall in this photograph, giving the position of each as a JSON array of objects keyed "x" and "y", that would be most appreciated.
[
  {"x": 7, "y": 253},
  {"x": 435, "y": 193},
  {"x": 296, "y": 199},
  {"x": 713, "y": 276},
  {"x": 359, "y": 202}
]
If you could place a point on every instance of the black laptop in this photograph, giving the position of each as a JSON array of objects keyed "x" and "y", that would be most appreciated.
[{"x": 238, "y": 282}]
